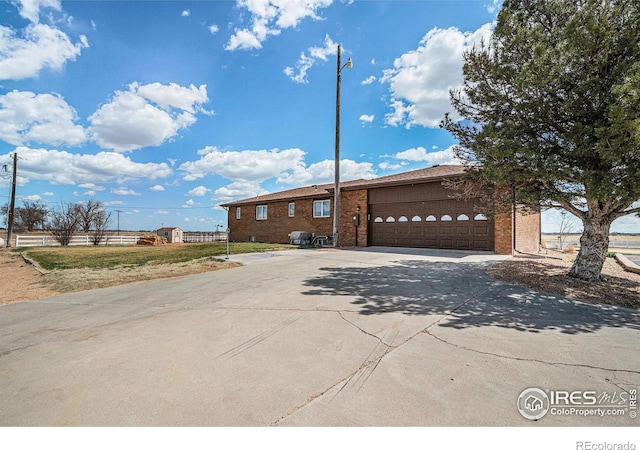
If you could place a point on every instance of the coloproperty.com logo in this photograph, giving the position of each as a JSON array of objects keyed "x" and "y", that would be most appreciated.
[{"x": 534, "y": 403}]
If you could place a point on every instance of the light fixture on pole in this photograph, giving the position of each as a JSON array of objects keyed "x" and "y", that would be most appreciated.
[{"x": 336, "y": 191}]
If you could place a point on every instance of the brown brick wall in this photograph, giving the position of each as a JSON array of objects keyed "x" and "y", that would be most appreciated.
[
  {"x": 278, "y": 224},
  {"x": 502, "y": 234},
  {"x": 349, "y": 202},
  {"x": 527, "y": 233}
]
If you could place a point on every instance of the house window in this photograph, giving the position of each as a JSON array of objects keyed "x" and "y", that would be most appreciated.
[
  {"x": 261, "y": 212},
  {"x": 237, "y": 212},
  {"x": 322, "y": 208},
  {"x": 292, "y": 209}
]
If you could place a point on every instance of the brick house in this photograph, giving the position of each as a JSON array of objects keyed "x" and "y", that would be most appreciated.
[{"x": 410, "y": 209}]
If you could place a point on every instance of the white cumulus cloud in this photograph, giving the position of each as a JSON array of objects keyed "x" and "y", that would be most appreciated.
[
  {"x": 61, "y": 167},
  {"x": 37, "y": 47},
  {"x": 245, "y": 165},
  {"x": 146, "y": 115},
  {"x": 307, "y": 61},
  {"x": 199, "y": 191},
  {"x": 323, "y": 172},
  {"x": 385, "y": 165},
  {"x": 124, "y": 191},
  {"x": 420, "y": 79},
  {"x": 368, "y": 80},
  {"x": 30, "y": 9},
  {"x": 41, "y": 118},
  {"x": 237, "y": 190},
  {"x": 367, "y": 118},
  {"x": 445, "y": 156},
  {"x": 269, "y": 18},
  {"x": 157, "y": 188}
]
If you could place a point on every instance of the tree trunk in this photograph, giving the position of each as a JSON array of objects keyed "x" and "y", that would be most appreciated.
[{"x": 594, "y": 244}]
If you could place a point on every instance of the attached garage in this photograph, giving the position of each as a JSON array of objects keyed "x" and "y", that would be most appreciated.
[
  {"x": 424, "y": 215},
  {"x": 409, "y": 209}
]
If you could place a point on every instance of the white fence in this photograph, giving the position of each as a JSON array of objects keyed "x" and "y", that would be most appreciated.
[
  {"x": 48, "y": 240},
  {"x": 204, "y": 237}
]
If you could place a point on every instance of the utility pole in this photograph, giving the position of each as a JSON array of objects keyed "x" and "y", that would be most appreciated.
[
  {"x": 12, "y": 204},
  {"x": 118, "y": 211},
  {"x": 336, "y": 190}
]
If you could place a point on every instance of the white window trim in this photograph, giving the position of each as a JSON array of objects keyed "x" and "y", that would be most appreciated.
[
  {"x": 328, "y": 210},
  {"x": 238, "y": 212},
  {"x": 266, "y": 212},
  {"x": 291, "y": 204}
]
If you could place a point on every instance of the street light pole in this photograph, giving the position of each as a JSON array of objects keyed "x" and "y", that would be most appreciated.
[{"x": 336, "y": 191}]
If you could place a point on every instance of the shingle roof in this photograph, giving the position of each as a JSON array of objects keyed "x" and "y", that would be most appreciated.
[
  {"x": 324, "y": 190},
  {"x": 420, "y": 175},
  {"x": 319, "y": 190}
]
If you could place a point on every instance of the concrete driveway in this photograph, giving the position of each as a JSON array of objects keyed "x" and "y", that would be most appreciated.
[{"x": 316, "y": 337}]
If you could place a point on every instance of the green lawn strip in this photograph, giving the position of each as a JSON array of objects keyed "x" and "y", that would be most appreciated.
[{"x": 104, "y": 257}]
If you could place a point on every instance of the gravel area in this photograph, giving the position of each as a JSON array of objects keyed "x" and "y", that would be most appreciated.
[{"x": 619, "y": 287}]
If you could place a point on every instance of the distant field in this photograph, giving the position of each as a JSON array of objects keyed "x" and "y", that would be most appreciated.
[{"x": 615, "y": 241}]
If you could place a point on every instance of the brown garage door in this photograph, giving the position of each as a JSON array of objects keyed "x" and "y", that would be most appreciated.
[{"x": 448, "y": 224}]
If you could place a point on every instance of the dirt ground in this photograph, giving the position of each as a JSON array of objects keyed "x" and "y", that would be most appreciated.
[
  {"x": 20, "y": 281},
  {"x": 619, "y": 287}
]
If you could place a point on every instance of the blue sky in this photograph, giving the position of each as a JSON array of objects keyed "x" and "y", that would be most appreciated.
[{"x": 165, "y": 109}]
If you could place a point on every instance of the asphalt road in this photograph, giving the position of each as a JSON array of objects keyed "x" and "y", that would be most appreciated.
[{"x": 315, "y": 337}]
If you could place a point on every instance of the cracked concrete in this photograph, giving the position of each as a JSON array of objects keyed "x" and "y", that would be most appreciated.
[{"x": 352, "y": 337}]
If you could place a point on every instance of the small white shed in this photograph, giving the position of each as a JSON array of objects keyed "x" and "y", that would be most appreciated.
[{"x": 171, "y": 234}]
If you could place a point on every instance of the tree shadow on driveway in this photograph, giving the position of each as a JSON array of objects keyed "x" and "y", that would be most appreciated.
[{"x": 467, "y": 294}]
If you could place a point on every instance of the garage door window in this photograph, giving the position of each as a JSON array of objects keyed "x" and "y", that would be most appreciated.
[
  {"x": 431, "y": 218},
  {"x": 480, "y": 217},
  {"x": 416, "y": 219},
  {"x": 463, "y": 217},
  {"x": 446, "y": 218}
]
